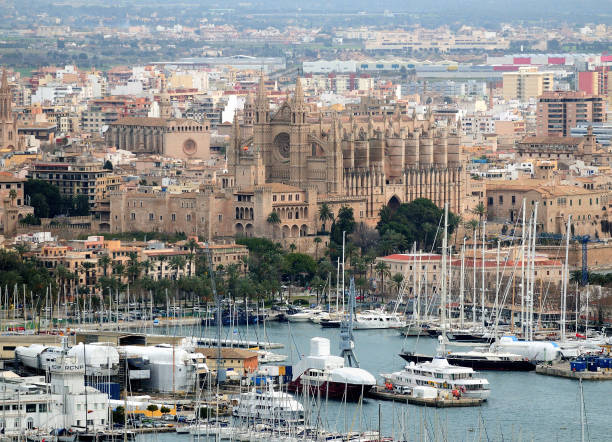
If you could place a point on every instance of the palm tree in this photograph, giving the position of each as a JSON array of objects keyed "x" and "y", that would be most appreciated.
[
  {"x": 317, "y": 241},
  {"x": 104, "y": 261},
  {"x": 398, "y": 278},
  {"x": 383, "y": 270},
  {"x": 12, "y": 196},
  {"x": 325, "y": 214},
  {"x": 134, "y": 267},
  {"x": 21, "y": 249},
  {"x": 192, "y": 245},
  {"x": 481, "y": 211},
  {"x": 471, "y": 225},
  {"x": 87, "y": 267},
  {"x": 118, "y": 269},
  {"x": 273, "y": 220},
  {"x": 177, "y": 262}
]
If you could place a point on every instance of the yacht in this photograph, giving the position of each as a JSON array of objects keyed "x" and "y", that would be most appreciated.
[
  {"x": 303, "y": 315},
  {"x": 269, "y": 405},
  {"x": 537, "y": 351},
  {"x": 479, "y": 359},
  {"x": 324, "y": 374},
  {"x": 377, "y": 319},
  {"x": 439, "y": 374}
]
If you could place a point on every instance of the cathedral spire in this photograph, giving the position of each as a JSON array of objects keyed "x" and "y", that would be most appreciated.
[
  {"x": 299, "y": 92},
  {"x": 5, "y": 99}
]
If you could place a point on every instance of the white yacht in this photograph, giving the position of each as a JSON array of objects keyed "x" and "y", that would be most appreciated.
[
  {"x": 304, "y": 315},
  {"x": 268, "y": 405},
  {"x": 378, "y": 319},
  {"x": 441, "y": 375}
]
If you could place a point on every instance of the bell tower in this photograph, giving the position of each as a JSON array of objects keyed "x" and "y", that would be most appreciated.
[
  {"x": 8, "y": 126},
  {"x": 165, "y": 104},
  {"x": 298, "y": 138}
]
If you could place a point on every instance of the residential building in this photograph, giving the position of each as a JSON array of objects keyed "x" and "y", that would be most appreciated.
[
  {"x": 558, "y": 112},
  {"x": 238, "y": 360},
  {"x": 526, "y": 83},
  {"x": 555, "y": 203}
]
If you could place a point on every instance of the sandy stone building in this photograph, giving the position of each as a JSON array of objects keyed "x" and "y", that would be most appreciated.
[
  {"x": 172, "y": 137},
  {"x": 8, "y": 123},
  {"x": 295, "y": 159}
]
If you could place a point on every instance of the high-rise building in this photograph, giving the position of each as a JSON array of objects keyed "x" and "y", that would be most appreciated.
[
  {"x": 596, "y": 82},
  {"x": 526, "y": 83},
  {"x": 558, "y": 112}
]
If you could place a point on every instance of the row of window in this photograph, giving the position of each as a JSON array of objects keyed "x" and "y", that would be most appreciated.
[
  {"x": 289, "y": 197},
  {"x": 29, "y": 408}
]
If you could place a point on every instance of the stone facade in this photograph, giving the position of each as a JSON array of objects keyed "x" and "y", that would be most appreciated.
[
  {"x": 292, "y": 161},
  {"x": 8, "y": 123}
]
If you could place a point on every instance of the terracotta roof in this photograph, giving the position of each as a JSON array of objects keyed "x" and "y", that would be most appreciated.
[
  {"x": 569, "y": 141},
  {"x": 545, "y": 190},
  {"x": 153, "y": 122}
]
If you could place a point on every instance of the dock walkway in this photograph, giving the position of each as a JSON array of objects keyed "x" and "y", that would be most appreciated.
[
  {"x": 384, "y": 395},
  {"x": 563, "y": 370}
]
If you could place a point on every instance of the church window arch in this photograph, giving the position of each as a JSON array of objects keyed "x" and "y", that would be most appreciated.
[{"x": 237, "y": 213}]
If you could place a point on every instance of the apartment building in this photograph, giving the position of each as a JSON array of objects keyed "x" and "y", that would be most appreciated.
[
  {"x": 558, "y": 112},
  {"x": 555, "y": 204},
  {"x": 526, "y": 83}
]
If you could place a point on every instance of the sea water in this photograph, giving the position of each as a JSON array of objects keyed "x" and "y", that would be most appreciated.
[{"x": 521, "y": 406}]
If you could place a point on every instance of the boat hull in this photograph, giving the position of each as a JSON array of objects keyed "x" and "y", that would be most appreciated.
[
  {"x": 331, "y": 390},
  {"x": 476, "y": 364}
]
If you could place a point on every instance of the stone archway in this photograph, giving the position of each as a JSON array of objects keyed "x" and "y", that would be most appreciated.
[
  {"x": 295, "y": 231},
  {"x": 394, "y": 203},
  {"x": 239, "y": 229},
  {"x": 303, "y": 230},
  {"x": 285, "y": 231},
  {"x": 249, "y": 230}
]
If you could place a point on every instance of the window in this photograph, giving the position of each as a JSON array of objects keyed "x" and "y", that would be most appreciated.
[
  {"x": 173, "y": 217},
  {"x": 220, "y": 218},
  {"x": 290, "y": 197},
  {"x": 132, "y": 216},
  {"x": 273, "y": 197},
  {"x": 188, "y": 217},
  {"x": 282, "y": 197},
  {"x": 513, "y": 199},
  {"x": 30, "y": 408},
  {"x": 151, "y": 217},
  {"x": 490, "y": 201},
  {"x": 297, "y": 196},
  {"x": 501, "y": 199}
]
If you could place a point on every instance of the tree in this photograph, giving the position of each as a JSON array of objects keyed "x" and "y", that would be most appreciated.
[
  {"x": 192, "y": 245},
  {"x": 164, "y": 410},
  {"x": 392, "y": 242},
  {"x": 383, "y": 270},
  {"x": 344, "y": 222},
  {"x": 104, "y": 261},
  {"x": 273, "y": 220},
  {"x": 41, "y": 208},
  {"x": 108, "y": 165},
  {"x": 420, "y": 221},
  {"x": 119, "y": 415},
  {"x": 398, "y": 278},
  {"x": 481, "y": 211},
  {"x": 177, "y": 262},
  {"x": 152, "y": 408},
  {"x": 292, "y": 247},
  {"x": 81, "y": 205},
  {"x": 325, "y": 214},
  {"x": 365, "y": 237},
  {"x": 13, "y": 196}
]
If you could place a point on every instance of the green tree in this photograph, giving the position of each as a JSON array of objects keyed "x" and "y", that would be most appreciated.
[
  {"x": 273, "y": 220},
  {"x": 41, "y": 208},
  {"x": 344, "y": 222},
  {"x": 325, "y": 214},
  {"x": 383, "y": 271},
  {"x": 104, "y": 261},
  {"x": 397, "y": 278},
  {"x": 81, "y": 205},
  {"x": 419, "y": 221},
  {"x": 192, "y": 246},
  {"x": 108, "y": 165},
  {"x": 12, "y": 196}
]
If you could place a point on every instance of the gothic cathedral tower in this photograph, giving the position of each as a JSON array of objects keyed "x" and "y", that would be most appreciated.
[
  {"x": 8, "y": 124},
  {"x": 298, "y": 139}
]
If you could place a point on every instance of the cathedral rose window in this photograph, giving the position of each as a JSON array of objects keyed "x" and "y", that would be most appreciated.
[
  {"x": 281, "y": 141},
  {"x": 190, "y": 147}
]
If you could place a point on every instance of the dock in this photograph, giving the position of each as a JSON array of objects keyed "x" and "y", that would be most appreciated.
[
  {"x": 563, "y": 370},
  {"x": 384, "y": 395}
]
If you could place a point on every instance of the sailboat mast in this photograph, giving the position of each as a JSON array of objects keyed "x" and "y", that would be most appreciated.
[
  {"x": 474, "y": 239},
  {"x": 565, "y": 280},
  {"x": 444, "y": 275},
  {"x": 482, "y": 293},
  {"x": 533, "y": 248},
  {"x": 523, "y": 273},
  {"x": 462, "y": 285}
]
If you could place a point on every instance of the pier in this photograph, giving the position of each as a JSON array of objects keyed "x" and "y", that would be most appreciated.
[
  {"x": 384, "y": 395},
  {"x": 563, "y": 370}
]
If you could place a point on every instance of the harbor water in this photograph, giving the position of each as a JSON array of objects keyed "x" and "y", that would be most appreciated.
[{"x": 522, "y": 405}]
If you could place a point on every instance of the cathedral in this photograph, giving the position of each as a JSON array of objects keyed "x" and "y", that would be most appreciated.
[
  {"x": 366, "y": 157},
  {"x": 293, "y": 160},
  {"x": 9, "y": 138}
]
